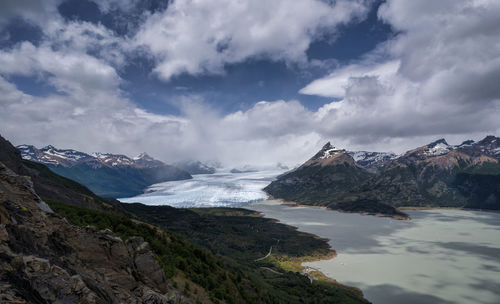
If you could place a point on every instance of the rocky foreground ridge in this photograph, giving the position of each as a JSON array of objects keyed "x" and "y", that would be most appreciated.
[
  {"x": 434, "y": 175},
  {"x": 44, "y": 259}
]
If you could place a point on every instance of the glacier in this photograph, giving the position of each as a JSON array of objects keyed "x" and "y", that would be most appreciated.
[{"x": 221, "y": 189}]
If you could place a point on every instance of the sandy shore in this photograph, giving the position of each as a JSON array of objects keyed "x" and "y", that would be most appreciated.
[{"x": 295, "y": 263}]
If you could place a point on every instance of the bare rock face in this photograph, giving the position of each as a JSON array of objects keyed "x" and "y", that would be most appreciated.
[
  {"x": 54, "y": 283},
  {"x": 44, "y": 259},
  {"x": 146, "y": 265}
]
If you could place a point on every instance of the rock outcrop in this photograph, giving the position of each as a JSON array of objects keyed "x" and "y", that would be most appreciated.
[{"x": 44, "y": 259}]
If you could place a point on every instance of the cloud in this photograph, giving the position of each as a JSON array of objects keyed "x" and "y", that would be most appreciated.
[
  {"x": 336, "y": 84},
  {"x": 70, "y": 72},
  {"x": 38, "y": 12},
  {"x": 108, "y": 122},
  {"x": 438, "y": 76},
  {"x": 267, "y": 133},
  {"x": 93, "y": 39},
  {"x": 198, "y": 37},
  {"x": 87, "y": 110},
  {"x": 109, "y": 5}
]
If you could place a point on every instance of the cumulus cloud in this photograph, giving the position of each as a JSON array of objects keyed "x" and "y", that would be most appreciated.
[
  {"x": 439, "y": 76},
  {"x": 108, "y": 122},
  {"x": 336, "y": 84},
  {"x": 88, "y": 111},
  {"x": 69, "y": 72},
  {"x": 199, "y": 37}
]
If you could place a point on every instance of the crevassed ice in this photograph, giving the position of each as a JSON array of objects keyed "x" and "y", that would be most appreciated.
[{"x": 222, "y": 189}]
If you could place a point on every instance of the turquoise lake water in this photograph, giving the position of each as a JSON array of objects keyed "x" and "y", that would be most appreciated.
[{"x": 438, "y": 257}]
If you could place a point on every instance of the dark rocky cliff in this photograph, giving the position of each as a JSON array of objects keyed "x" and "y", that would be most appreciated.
[{"x": 44, "y": 259}]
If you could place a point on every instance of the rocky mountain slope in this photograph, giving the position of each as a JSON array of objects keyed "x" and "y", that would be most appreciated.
[
  {"x": 44, "y": 259},
  {"x": 108, "y": 175},
  {"x": 437, "y": 174},
  {"x": 327, "y": 174}
]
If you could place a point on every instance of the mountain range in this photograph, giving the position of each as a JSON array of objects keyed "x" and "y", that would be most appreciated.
[
  {"x": 434, "y": 175},
  {"x": 106, "y": 174}
]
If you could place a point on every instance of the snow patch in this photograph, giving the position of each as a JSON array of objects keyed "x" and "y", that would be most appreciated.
[
  {"x": 330, "y": 153},
  {"x": 366, "y": 158},
  {"x": 439, "y": 149}
]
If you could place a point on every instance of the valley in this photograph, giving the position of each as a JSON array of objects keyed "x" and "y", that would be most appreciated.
[
  {"x": 86, "y": 249},
  {"x": 249, "y": 152},
  {"x": 343, "y": 255},
  {"x": 333, "y": 256}
]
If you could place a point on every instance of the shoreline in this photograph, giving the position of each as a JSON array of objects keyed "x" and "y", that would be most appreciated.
[
  {"x": 423, "y": 208},
  {"x": 409, "y": 208},
  {"x": 295, "y": 204},
  {"x": 394, "y": 217},
  {"x": 296, "y": 263}
]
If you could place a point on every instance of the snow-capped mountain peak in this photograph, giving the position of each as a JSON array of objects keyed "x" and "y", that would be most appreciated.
[
  {"x": 467, "y": 143},
  {"x": 489, "y": 146},
  {"x": 490, "y": 142},
  {"x": 144, "y": 156},
  {"x": 114, "y": 159},
  {"x": 196, "y": 167},
  {"x": 438, "y": 147},
  {"x": 372, "y": 160},
  {"x": 28, "y": 152},
  {"x": 145, "y": 160},
  {"x": 327, "y": 151},
  {"x": 331, "y": 152},
  {"x": 53, "y": 156}
]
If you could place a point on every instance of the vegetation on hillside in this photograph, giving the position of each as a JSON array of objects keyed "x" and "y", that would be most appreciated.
[{"x": 232, "y": 275}]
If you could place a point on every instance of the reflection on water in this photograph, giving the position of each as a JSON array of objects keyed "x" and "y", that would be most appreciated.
[{"x": 440, "y": 256}]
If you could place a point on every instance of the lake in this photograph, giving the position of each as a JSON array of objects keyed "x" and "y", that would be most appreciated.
[{"x": 440, "y": 256}]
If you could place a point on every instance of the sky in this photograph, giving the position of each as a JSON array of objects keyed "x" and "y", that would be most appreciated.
[{"x": 247, "y": 81}]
